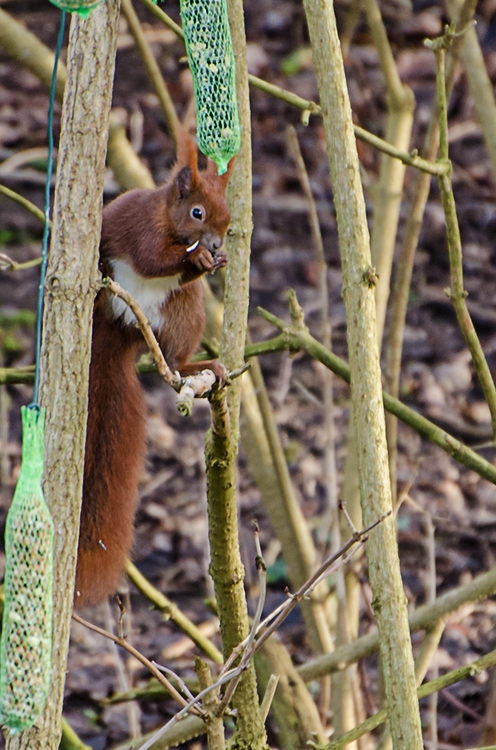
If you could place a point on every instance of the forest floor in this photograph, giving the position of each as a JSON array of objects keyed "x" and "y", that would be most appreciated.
[{"x": 437, "y": 377}]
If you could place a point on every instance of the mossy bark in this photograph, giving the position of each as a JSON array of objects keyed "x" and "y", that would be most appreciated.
[{"x": 222, "y": 441}]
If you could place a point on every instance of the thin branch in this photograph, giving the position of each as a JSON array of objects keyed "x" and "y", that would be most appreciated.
[
  {"x": 457, "y": 292},
  {"x": 322, "y": 571},
  {"x": 182, "y": 685},
  {"x": 69, "y": 739},
  {"x": 25, "y": 203},
  {"x": 172, "y": 379},
  {"x": 428, "y": 688},
  {"x": 123, "y": 677},
  {"x": 301, "y": 340},
  {"x": 249, "y": 651},
  {"x": 152, "y": 68},
  {"x": 269, "y": 695},
  {"x": 120, "y": 641},
  {"x": 404, "y": 266},
  {"x": 164, "y": 17},
  {"x": 17, "y": 375},
  {"x": 171, "y": 611},
  {"x": 7, "y": 264},
  {"x": 423, "y": 618}
]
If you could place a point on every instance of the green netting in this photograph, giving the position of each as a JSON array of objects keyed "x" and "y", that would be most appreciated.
[
  {"x": 25, "y": 649},
  {"x": 82, "y": 7},
  {"x": 211, "y": 60}
]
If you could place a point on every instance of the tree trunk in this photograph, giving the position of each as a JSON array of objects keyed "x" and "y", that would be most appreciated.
[{"x": 71, "y": 284}]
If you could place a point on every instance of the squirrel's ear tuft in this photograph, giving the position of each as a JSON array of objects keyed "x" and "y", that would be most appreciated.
[
  {"x": 187, "y": 154},
  {"x": 212, "y": 168},
  {"x": 184, "y": 181}
]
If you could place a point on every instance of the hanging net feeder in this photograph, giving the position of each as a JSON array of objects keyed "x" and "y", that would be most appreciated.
[
  {"x": 211, "y": 59},
  {"x": 26, "y": 648}
]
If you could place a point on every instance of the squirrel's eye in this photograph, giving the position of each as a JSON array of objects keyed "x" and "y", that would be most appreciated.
[{"x": 198, "y": 212}]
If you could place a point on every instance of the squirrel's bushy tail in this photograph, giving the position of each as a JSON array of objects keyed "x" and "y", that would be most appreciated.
[{"x": 115, "y": 448}]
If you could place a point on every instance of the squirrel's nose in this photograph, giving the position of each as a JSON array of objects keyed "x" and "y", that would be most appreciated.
[{"x": 212, "y": 242}]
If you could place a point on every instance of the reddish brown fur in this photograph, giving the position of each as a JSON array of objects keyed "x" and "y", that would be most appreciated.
[
  {"x": 151, "y": 230},
  {"x": 115, "y": 447}
]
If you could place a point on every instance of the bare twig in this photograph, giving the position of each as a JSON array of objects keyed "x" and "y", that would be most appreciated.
[
  {"x": 292, "y": 340},
  {"x": 7, "y": 264},
  {"x": 252, "y": 646},
  {"x": 132, "y": 708},
  {"x": 265, "y": 630},
  {"x": 152, "y": 68},
  {"x": 173, "y": 379},
  {"x": 424, "y": 690},
  {"x": 182, "y": 685},
  {"x": 269, "y": 695},
  {"x": 457, "y": 292},
  {"x": 188, "y": 388},
  {"x": 120, "y": 641},
  {"x": 25, "y": 203}
]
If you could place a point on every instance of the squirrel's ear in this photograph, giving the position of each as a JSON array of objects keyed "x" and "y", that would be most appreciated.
[
  {"x": 184, "y": 181},
  {"x": 187, "y": 155},
  {"x": 212, "y": 168}
]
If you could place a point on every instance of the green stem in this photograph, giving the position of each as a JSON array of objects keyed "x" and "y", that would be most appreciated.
[
  {"x": 171, "y": 611},
  {"x": 487, "y": 661},
  {"x": 70, "y": 740},
  {"x": 25, "y": 204},
  {"x": 153, "y": 69},
  {"x": 457, "y": 292},
  {"x": 226, "y": 568},
  {"x": 297, "y": 340},
  {"x": 423, "y": 618}
]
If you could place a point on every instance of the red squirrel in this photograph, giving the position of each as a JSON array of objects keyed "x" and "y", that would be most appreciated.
[{"x": 156, "y": 244}]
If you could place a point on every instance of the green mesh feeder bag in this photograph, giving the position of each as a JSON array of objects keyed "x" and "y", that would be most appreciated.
[
  {"x": 25, "y": 649},
  {"x": 211, "y": 59},
  {"x": 82, "y": 7}
]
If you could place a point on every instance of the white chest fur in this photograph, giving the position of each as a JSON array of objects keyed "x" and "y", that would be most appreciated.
[{"x": 150, "y": 294}]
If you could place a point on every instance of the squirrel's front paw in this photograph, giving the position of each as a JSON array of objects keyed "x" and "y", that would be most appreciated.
[
  {"x": 220, "y": 260},
  {"x": 203, "y": 260}
]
